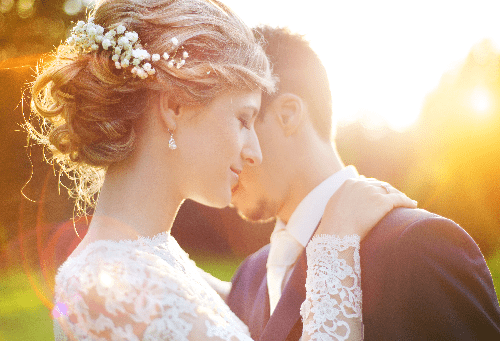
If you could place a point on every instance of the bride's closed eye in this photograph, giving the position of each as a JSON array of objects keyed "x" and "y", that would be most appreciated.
[{"x": 245, "y": 123}]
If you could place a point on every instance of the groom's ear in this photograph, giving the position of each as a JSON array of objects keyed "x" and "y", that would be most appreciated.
[{"x": 290, "y": 110}]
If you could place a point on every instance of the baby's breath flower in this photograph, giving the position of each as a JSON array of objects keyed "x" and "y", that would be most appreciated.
[
  {"x": 122, "y": 41},
  {"x": 120, "y": 29},
  {"x": 132, "y": 36},
  {"x": 91, "y": 31},
  {"x": 106, "y": 43},
  {"x": 141, "y": 73},
  {"x": 126, "y": 47}
]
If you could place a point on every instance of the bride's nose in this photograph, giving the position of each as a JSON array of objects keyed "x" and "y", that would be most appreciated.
[{"x": 251, "y": 153}]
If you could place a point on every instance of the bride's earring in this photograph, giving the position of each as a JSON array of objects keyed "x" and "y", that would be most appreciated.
[{"x": 171, "y": 142}]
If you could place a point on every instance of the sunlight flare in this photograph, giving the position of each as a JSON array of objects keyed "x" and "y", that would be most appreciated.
[{"x": 480, "y": 100}]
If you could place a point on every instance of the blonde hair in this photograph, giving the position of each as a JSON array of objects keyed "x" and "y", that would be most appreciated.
[{"x": 83, "y": 108}]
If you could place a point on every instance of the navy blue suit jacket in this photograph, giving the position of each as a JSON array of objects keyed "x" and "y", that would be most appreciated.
[{"x": 423, "y": 278}]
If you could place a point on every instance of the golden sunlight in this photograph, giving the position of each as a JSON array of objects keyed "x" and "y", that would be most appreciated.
[
  {"x": 383, "y": 57},
  {"x": 480, "y": 100}
]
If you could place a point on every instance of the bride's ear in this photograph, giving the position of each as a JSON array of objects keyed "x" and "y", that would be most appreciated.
[{"x": 168, "y": 112}]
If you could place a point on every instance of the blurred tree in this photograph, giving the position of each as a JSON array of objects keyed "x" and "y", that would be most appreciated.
[
  {"x": 459, "y": 154},
  {"x": 35, "y": 26},
  {"x": 450, "y": 161}
]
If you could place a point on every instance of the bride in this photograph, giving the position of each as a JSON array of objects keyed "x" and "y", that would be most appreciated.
[{"x": 149, "y": 103}]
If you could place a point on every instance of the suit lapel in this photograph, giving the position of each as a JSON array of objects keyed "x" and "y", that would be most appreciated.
[{"x": 287, "y": 312}]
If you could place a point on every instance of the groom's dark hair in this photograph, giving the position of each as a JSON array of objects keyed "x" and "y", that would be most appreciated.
[{"x": 300, "y": 72}]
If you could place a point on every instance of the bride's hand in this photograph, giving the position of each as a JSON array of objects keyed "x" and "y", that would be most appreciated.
[{"x": 358, "y": 205}]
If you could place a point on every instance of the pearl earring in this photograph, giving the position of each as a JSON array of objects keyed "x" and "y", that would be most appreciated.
[{"x": 171, "y": 142}]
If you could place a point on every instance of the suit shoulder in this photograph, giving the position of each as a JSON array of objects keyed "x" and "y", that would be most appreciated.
[
  {"x": 400, "y": 222},
  {"x": 427, "y": 269},
  {"x": 424, "y": 226},
  {"x": 419, "y": 234}
]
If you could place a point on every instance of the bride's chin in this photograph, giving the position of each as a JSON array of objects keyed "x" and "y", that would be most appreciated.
[{"x": 216, "y": 201}]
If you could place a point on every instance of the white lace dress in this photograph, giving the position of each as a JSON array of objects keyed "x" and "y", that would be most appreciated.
[{"x": 149, "y": 289}]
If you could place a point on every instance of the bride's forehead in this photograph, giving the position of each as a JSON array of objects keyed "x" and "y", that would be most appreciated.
[{"x": 237, "y": 100}]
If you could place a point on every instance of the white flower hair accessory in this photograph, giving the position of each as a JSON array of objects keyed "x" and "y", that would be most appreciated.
[{"x": 125, "y": 45}]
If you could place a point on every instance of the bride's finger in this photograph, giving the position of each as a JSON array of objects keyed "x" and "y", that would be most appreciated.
[
  {"x": 400, "y": 200},
  {"x": 386, "y": 187}
]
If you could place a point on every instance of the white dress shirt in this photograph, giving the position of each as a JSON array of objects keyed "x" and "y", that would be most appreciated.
[{"x": 303, "y": 222}]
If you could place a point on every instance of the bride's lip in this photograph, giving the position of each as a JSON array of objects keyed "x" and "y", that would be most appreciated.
[{"x": 237, "y": 171}]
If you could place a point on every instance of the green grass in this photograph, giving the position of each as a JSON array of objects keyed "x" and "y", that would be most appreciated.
[
  {"x": 23, "y": 317},
  {"x": 220, "y": 267},
  {"x": 494, "y": 265}
]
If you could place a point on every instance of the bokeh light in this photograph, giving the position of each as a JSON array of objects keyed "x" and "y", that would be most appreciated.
[
  {"x": 480, "y": 100},
  {"x": 72, "y": 7},
  {"x": 25, "y": 8},
  {"x": 6, "y": 5}
]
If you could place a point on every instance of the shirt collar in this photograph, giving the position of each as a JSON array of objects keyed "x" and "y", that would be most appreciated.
[{"x": 305, "y": 218}]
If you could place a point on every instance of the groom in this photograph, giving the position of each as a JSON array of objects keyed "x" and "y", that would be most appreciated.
[{"x": 423, "y": 277}]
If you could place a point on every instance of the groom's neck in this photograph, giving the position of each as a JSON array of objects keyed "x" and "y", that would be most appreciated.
[{"x": 309, "y": 167}]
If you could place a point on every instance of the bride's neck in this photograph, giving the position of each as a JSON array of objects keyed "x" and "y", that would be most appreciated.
[{"x": 138, "y": 198}]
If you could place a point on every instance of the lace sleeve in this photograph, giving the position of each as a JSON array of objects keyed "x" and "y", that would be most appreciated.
[
  {"x": 332, "y": 309},
  {"x": 118, "y": 293}
]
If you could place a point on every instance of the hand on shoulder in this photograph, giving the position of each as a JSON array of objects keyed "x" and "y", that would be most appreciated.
[{"x": 358, "y": 205}]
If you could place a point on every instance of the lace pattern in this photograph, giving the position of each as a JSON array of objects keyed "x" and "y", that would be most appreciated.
[
  {"x": 332, "y": 309},
  {"x": 145, "y": 289},
  {"x": 149, "y": 289}
]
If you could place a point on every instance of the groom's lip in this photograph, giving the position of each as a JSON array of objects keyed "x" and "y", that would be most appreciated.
[
  {"x": 236, "y": 173},
  {"x": 235, "y": 188}
]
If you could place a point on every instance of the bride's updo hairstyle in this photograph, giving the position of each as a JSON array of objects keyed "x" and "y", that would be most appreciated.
[{"x": 84, "y": 105}]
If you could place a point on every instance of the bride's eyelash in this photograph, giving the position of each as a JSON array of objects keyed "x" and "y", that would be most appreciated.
[{"x": 244, "y": 122}]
